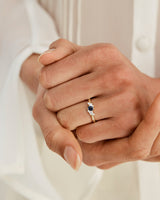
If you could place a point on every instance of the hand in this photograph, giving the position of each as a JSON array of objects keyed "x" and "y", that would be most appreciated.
[
  {"x": 58, "y": 139},
  {"x": 143, "y": 144},
  {"x": 120, "y": 93}
]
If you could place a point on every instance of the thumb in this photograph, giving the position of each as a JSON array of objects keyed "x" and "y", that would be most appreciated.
[
  {"x": 58, "y": 50},
  {"x": 149, "y": 128}
]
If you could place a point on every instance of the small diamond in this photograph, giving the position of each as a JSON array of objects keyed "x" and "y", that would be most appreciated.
[
  {"x": 91, "y": 113},
  {"x": 90, "y": 104}
]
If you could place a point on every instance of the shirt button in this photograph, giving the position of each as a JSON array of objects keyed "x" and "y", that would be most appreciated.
[{"x": 143, "y": 44}]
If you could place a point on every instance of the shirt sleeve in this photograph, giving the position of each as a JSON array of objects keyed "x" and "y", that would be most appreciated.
[{"x": 26, "y": 28}]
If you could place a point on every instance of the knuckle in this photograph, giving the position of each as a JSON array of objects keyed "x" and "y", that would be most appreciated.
[
  {"x": 50, "y": 101},
  {"x": 43, "y": 78},
  {"x": 35, "y": 111},
  {"x": 50, "y": 139},
  {"x": 64, "y": 120},
  {"x": 67, "y": 44},
  {"x": 98, "y": 50},
  {"x": 121, "y": 75},
  {"x": 62, "y": 41},
  {"x": 107, "y": 51},
  {"x": 104, "y": 48}
]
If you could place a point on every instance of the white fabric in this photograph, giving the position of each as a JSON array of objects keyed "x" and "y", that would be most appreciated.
[
  {"x": 19, "y": 42},
  {"x": 145, "y": 27},
  {"x": 26, "y": 164}
]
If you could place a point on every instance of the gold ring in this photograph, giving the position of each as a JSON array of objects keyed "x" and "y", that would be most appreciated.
[{"x": 91, "y": 110}]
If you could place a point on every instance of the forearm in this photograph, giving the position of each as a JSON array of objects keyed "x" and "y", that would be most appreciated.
[{"x": 29, "y": 72}]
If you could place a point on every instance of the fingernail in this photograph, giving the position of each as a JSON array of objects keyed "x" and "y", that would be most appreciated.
[
  {"x": 46, "y": 52},
  {"x": 72, "y": 158}
]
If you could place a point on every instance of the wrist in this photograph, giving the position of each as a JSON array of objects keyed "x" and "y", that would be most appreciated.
[{"x": 30, "y": 71}]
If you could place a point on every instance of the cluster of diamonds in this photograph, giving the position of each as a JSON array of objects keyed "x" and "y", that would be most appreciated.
[{"x": 90, "y": 109}]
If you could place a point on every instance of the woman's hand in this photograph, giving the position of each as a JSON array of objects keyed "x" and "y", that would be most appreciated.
[
  {"x": 56, "y": 135},
  {"x": 143, "y": 144},
  {"x": 120, "y": 93},
  {"x": 58, "y": 139}
]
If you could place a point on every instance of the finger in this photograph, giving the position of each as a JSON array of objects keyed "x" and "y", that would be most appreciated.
[
  {"x": 64, "y": 43},
  {"x": 70, "y": 93},
  {"x": 111, "y": 128},
  {"x": 77, "y": 115},
  {"x": 58, "y": 139},
  {"x": 58, "y": 50},
  {"x": 147, "y": 132},
  {"x": 102, "y": 130},
  {"x": 104, "y": 108},
  {"x": 66, "y": 69},
  {"x": 100, "y": 153},
  {"x": 136, "y": 147},
  {"x": 75, "y": 65},
  {"x": 77, "y": 90},
  {"x": 109, "y": 165}
]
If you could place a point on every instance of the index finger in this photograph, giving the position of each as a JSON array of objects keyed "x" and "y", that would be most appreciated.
[
  {"x": 57, "y": 50},
  {"x": 80, "y": 63},
  {"x": 64, "y": 70}
]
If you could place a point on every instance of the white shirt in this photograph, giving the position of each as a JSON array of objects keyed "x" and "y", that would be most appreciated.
[{"x": 29, "y": 26}]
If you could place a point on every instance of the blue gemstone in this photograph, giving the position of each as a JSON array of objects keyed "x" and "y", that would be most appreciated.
[{"x": 90, "y": 108}]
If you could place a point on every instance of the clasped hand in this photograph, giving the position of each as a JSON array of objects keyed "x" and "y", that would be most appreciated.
[{"x": 126, "y": 129}]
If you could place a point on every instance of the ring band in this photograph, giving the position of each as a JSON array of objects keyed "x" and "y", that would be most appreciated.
[{"x": 90, "y": 110}]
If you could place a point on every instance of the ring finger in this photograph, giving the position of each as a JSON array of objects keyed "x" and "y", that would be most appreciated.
[{"x": 77, "y": 115}]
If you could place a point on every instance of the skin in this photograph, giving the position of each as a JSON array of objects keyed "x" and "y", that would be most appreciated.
[
  {"x": 54, "y": 133},
  {"x": 120, "y": 93}
]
